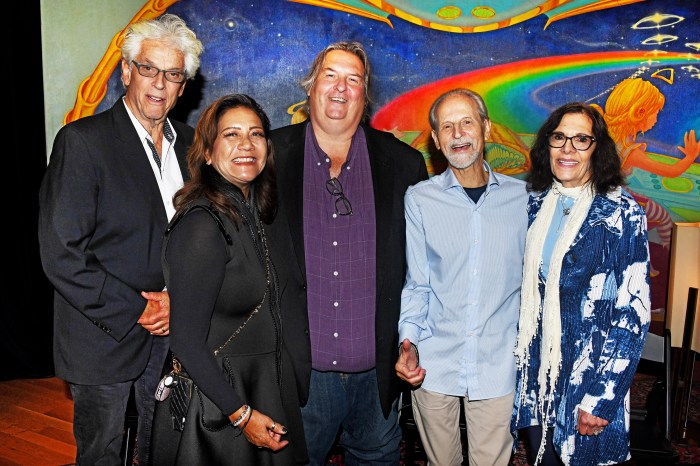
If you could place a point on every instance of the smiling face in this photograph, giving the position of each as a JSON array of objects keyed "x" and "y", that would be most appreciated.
[
  {"x": 337, "y": 97},
  {"x": 570, "y": 166},
  {"x": 461, "y": 134},
  {"x": 239, "y": 152},
  {"x": 150, "y": 99}
]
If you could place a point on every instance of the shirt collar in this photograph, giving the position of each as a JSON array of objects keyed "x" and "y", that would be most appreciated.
[
  {"x": 449, "y": 180},
  {"x": 168, "y": 132}
]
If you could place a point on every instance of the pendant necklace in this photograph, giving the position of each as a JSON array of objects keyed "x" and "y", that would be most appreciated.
[{"x": 566, "y": 209}]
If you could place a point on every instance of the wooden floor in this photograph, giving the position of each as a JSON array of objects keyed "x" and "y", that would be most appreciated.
[{"x": 36, "y": 423}]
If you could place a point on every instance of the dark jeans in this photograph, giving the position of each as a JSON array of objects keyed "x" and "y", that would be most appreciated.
[
  {"x": 532, "y": 436},
  {"x": 350, "y": 401},
  {"x": 99, "y": 412}
]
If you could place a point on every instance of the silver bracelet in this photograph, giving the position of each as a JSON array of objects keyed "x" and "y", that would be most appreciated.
[{"x": 246, "y": 410}]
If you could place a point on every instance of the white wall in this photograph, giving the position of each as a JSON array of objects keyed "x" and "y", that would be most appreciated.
[{"x": 75, "y": 34}]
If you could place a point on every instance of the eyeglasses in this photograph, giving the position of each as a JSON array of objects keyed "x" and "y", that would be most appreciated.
[
  {"x": 342, "y": 205},
  {"x": 580, "y": 141},
  {"x": 150, "y": 71}
]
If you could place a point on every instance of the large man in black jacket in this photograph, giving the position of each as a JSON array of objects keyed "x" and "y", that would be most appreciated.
[{"x": 339, "y": 243}]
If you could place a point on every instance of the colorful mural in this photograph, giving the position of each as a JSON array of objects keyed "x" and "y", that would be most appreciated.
[{"x": 639, "y": 61}]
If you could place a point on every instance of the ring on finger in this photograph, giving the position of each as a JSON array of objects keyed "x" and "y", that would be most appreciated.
[{"x": 274, "y": 424}]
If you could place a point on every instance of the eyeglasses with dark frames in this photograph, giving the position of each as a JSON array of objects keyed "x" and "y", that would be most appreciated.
[
  {"x": 582, "y": 142},
  {"x": 150, "y": 71},
  {"x": 342, "y": 204}
]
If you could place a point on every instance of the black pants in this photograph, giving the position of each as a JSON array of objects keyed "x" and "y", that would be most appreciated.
[{"x": 532, "y": 437}]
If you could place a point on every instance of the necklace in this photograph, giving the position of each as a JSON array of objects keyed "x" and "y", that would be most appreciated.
[{"x": 565, "y": 208}]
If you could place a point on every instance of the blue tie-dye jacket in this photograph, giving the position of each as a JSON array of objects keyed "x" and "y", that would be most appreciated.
[{"x": 605, "y": 313}]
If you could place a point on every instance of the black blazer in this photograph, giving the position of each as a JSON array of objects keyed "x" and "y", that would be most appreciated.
[
  {"x": 395, "y": 166},
  {"x": 101, "y": 225}
]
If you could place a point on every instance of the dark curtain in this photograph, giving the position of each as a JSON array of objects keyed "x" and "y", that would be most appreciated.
[{"x": 27, "y": 311}]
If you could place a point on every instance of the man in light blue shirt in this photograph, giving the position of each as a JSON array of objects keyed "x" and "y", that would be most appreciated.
[{"x": 465, "y": 233}]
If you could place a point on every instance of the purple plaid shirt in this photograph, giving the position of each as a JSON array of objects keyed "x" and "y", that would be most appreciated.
[{"x": 340, "y": 260}]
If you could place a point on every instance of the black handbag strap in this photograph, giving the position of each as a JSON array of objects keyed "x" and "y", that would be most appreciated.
[{"x": 214, "y": 214}]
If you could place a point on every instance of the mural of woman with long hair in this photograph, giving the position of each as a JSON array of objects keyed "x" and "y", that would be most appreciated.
[{"x": 633, "y": 107}]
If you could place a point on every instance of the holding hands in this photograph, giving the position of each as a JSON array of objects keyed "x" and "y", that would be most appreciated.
[{"x": 408, "y": 366}]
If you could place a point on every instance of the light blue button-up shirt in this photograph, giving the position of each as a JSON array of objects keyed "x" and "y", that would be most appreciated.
[{"x": 461, "y": 299}]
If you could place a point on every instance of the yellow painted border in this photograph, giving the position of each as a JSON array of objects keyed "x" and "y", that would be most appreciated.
[
  {"x": 340, "y": 6},
  {"x": 596, "y": 6},
  {"x": 545, "y": 6},
  {"x": 93, "y": 88}
]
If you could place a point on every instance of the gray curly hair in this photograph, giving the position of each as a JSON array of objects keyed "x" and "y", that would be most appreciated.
[{"x": 170, "y": 29}]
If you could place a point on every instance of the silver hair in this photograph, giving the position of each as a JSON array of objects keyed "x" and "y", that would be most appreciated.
[
  {"x": 170, "y": 29},
  {"x": 476, "y": 98}
]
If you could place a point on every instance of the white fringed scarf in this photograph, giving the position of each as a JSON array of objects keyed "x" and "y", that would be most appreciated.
[{"x": 532, "y": 308}]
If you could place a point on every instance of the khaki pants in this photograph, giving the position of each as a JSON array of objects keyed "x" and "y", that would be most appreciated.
[{"x": 488, "y": 428}]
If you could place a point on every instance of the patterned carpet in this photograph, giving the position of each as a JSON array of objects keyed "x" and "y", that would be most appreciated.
[
  {"x": 641, "y": 388},
  {"x": 688, "y": 451}
]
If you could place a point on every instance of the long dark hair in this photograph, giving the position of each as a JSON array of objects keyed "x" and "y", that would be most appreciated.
[
  {"x": 606, "y": 168},
  {"x": 201, "y": 184}
]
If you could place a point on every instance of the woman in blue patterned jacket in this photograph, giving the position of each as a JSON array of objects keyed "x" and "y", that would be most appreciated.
[{"x": 585, "y": 297}]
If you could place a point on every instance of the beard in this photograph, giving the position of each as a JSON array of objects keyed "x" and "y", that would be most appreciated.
[{"x": 462, "y": 160}]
